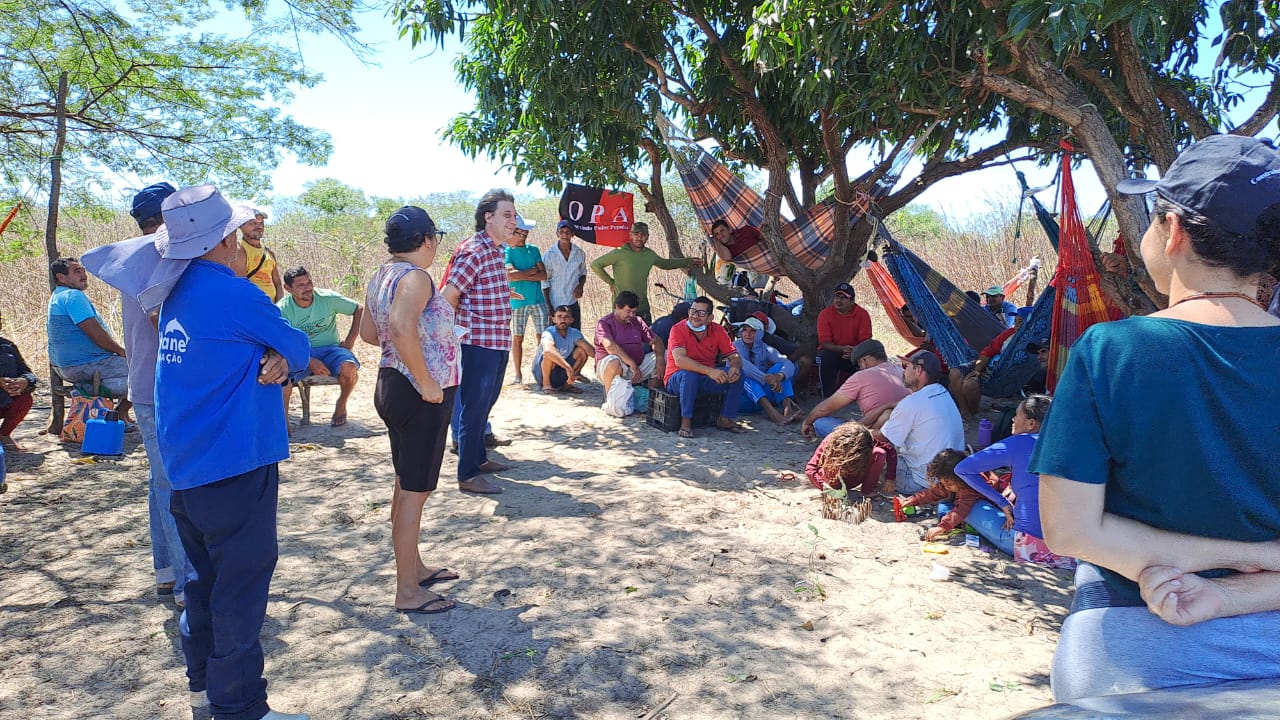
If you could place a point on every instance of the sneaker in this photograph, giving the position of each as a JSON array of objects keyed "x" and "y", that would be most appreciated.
[
  {"x": 199, "y": 700},
  {"x": 273, "y": 715}
]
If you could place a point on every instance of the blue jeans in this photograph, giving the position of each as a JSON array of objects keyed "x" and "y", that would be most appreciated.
[
  {"x": 167, "y": 556},
  {"x": 482, "y": 371},
  {"x": 988, "y": 520},
  {"x": 824, "y": 425},
  {"x": 229, "y": 531},
  {"x": 688, "y": 385}
]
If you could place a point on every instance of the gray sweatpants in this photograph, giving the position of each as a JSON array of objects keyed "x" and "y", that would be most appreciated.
[{"x": 1105, "y": 651}]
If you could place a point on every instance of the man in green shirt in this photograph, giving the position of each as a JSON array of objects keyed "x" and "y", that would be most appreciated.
[
  {"x": 631, "y": 264},
  {"x": 315, "y": 312}
]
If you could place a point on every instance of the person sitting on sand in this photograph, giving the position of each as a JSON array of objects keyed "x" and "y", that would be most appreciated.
[
  {"x": 767, "y": 382},
  {"x": 923, "y": 423},
  {"x": 1021, "y": 501},
  {"x": 848, "y": 458},
  {"x": 948, "y": 487},
  {"x": 876, "y": 387},
  {"x": 562, "y": 353}
]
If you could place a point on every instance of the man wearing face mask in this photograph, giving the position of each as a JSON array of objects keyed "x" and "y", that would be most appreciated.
[{"x": 702, "y": 359}]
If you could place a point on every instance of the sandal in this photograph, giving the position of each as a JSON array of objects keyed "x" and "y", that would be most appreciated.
[
  {"x": 732, "y": 427},
  {"x": 685, "y": 433}
]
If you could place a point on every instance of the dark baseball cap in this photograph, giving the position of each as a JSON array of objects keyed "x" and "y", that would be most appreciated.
[
  {"x": 866, "y": 347},
  {"x": 928, "y": 362},
  {"x": 564, "y": 224},
  {"x": 845, "y": 288},
  {"x": 1229, "y": 179},
  {"x": 1036, "y": 346},
  {"x": 408, "y": 221}
]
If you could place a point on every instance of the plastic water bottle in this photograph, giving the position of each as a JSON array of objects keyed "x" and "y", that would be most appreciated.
[
  {"x": 984, "y": 433},
  {"x": 104, "y": 435}
]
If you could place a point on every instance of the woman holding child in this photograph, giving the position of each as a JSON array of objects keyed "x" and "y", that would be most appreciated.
[
  {"x": 417, "y": 379},
  {"x": 1160, "y": 463}
]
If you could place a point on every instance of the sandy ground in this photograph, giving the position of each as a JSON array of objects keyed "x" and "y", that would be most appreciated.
[{"x": 624, "y": 573}]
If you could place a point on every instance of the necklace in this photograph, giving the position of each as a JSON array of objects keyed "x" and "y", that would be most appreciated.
[{"x": 1209, "y": 295}]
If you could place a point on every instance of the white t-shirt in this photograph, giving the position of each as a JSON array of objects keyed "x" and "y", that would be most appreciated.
[{"x": 923, "y": 424}]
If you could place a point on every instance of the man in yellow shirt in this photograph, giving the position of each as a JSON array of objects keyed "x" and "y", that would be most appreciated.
[{"x": 256, "y": 261}]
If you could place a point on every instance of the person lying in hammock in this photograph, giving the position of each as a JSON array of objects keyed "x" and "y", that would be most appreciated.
[{"x": 729, "y": 244}]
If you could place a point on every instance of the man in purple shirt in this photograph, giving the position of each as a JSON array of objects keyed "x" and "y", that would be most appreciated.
[{"x": 621, "y": 337}]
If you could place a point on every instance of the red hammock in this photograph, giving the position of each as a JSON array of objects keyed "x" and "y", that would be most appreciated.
[
  {"x": 891, "y": 298},
  {"x": 1080, "y": 300}
]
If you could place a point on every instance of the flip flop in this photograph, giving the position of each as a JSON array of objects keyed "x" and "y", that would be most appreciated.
[
  {"x": 733, "y": 428},
  {"x": 338, "y": 420},
  {"x": 685, "y": 433},
  {"x": 437, "y": 605},
  {"x": 438, "y": 576}
]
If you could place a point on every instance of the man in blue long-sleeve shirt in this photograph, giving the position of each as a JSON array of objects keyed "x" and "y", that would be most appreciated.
[{"x": 222, "y": 433}]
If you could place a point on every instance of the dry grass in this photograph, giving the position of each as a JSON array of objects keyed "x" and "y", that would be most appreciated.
[{"x": 340, "y": 253}]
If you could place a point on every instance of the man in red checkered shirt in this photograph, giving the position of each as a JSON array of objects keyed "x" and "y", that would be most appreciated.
[{"x": 476, "y": 285}]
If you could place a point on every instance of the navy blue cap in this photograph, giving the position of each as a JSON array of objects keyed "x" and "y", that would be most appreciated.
[
  {"x": 845, "y": 288},
  {"x": 1229, "y": 179},
  {"x": 149, "y": 201},
  {"x": 409, "y": 221},
  {"x": 564, "y": 224}
]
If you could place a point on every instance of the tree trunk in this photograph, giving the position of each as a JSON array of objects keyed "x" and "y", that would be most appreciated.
[{"x": 56, "y": 395}]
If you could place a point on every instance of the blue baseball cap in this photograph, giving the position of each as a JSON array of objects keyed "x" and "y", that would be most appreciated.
[
  {"x": 150, "y": 200},
  {"x": 1229, "y": 179}
]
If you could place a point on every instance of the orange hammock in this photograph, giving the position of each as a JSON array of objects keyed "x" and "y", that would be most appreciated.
[
  {"x": 12, "y": 213},
  {"x": 1080, "y": 301},
  {"x": 891, "y": 298}
]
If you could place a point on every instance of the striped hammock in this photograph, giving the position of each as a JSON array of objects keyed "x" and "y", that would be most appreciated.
[
  {"x": 1015, "y": 366},
  {"x": 718, "y": 194}
]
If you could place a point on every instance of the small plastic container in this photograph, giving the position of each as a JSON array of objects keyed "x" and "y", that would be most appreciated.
[
  {"x": 973, "y": 541},
  {"x": 104, "y": 435},
  {"x": 984, "y": 433}
]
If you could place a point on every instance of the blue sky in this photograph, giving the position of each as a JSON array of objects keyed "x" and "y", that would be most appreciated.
[{"x": 386, "y": 120}]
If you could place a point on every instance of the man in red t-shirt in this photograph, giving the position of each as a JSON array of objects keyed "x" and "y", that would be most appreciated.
[
  {"x": 694, "y": 365},
  {"x": 729, "y": 244},
  {"x": 841, "y": 327}
]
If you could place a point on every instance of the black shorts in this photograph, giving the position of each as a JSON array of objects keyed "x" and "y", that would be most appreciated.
[{"x": 416, "y": 428}]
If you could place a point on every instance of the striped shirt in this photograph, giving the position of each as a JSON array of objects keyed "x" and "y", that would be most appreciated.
[{"x": 478, "y": 270}]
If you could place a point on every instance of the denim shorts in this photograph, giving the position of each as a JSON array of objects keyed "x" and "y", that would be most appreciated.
[{"x": 333, "y": 356}]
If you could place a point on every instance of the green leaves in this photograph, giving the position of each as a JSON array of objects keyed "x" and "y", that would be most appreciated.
[{"x": 147, "y": 99}]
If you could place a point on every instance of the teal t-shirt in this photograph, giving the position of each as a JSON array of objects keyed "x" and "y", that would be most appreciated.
[
  {"x": 68, "y": 344},
  {"x": 1179, "y": 421},
  {"x": 319, "y": 320},
  {"x": 525, "y": 257}
]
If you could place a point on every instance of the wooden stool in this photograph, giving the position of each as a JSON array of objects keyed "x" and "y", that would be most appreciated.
[{"x": 304, "y": 392}]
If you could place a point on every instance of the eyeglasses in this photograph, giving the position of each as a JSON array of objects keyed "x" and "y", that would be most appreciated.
[
  {"x": 521, "y": 233},
  {"x": 699, "y": 313}
]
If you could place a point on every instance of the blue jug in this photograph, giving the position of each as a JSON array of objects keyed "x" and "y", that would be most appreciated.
[{"x": 104, "y": 436}]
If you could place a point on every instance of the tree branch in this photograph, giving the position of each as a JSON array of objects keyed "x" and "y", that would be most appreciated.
[
  {"x": 1265, "y": 113},
  {"x": 1175, "y": 99}
]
